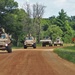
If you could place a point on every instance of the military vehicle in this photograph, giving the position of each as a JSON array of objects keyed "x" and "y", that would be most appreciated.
[
  {"x": 29, "y": 41},
  {"x": 58, "y": 41},
  {"x": 5, "y": 41},
  {"x": 46, "y": 41}
]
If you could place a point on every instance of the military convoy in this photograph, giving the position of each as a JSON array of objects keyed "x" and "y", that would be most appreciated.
[
  {"x": 5, "y": 41},
  {"x": 48, "y": 41},
  {"x": 29, "y": 41}
]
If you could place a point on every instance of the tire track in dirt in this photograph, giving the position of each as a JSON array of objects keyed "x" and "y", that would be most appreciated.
[
  {"x": 34, "y": 62},
  {"x": 60, "y": 65}
]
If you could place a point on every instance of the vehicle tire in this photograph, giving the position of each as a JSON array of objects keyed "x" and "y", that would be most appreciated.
[
  {"x": 34, "y": 45},
  {"x": 50, "y": 44},
  {"x": 9, "y": 49},
  {"x": 25, "y": 47},
  {"x": 55, "y": 44},
  {"x": 43, "y": 45},
  {"x": 61, "y": 44}
]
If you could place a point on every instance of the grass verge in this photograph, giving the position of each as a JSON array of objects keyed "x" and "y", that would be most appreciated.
[{"x": 67, "y": 53}]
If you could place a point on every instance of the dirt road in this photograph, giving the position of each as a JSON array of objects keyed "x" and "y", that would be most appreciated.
[{"x": 34, "y": 62}]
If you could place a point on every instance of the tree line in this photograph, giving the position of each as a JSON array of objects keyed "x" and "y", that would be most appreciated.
[{"x": 20, "y": 22}]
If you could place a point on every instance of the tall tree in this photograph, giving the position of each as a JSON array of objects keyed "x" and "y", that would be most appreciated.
[
  {"x": 54, "y": 31},
  {"x": 14, "y": 23},
  {"x": 27, "y": 20},
  {"x": 11, "y": 18},
  {"x": 61, "y": 18},
  {"x": 72, "y": 22},
  {"x": 67, "y": 32},
  {"x": 52, "y": 20},
  {"x": 62, "y": 15},
  {"x": 38, "y": 11},
  {"x": 63, "y": 23},
  {"x": 6, "y": 6}
]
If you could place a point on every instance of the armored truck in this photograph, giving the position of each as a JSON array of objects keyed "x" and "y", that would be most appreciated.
[
  {"x": 29, "y": 41},
  {"x": 46, "y": 41},
  {"x": 5, "y": 41},
  {"x": 58, "y": 41}
]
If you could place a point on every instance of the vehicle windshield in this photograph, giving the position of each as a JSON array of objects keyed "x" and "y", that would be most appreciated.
[
  {"x": 58, "y": 39},
  {"x": 48, "y": 38},
  {"x": 29, "y": 38},
  {"x": 3, "y": 36}
]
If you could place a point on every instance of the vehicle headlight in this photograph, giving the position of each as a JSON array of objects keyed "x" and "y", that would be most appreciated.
[
  {"x": 6, "y": 44},
  {"x": 32, "y": 43}
]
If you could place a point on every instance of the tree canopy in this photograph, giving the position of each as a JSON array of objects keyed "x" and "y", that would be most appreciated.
[{"x": 19, "y": 23}]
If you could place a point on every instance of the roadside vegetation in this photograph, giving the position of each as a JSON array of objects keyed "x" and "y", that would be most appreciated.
[{"x": 67, "y": 53}]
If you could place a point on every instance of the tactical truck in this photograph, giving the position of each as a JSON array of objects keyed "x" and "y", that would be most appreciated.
[{"x": 5, "y": 41}]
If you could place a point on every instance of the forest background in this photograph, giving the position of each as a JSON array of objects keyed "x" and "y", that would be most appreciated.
[{"x": 29, "y": 20}]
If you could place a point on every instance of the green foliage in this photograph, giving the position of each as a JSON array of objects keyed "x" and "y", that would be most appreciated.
[
  {"x": 54, "y": 31},
  {"x": 62, "y": 15},
  {"x": 19, "y": 17},
  {"x": 58, "y": 27},
  {"x": 67, "y": 53},
  {"x": 52, "y": 20},
  {"x": 59, "y": 23},
  {"x": 67, "y": 38},
  {"x": 12, "y": 19},
  {"x": 19, "y": 23},
  {"x": 72, "y": 22},
  {"x": 6, "y": 7},
  {"x": 10, "y": 4},
  {"x": 45, "y": 27},
  {"x": 67, "y": 33}
]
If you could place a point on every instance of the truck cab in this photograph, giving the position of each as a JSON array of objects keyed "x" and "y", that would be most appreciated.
[
  {"x": 58, "y": 41},
  {"x": 5, "y": 41},
  {"x": 29, "y": 41},
  {"x": 46, "y": 41}
]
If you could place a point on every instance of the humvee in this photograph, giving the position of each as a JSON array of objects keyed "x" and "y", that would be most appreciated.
[
  {"x": 29, "y": 41},
  {"x": 46, "y": 41},
  {"x": 58, "y": 42},
  {"x": 5, "y": 41}
]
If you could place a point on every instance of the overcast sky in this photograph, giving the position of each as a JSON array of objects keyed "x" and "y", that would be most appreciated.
[{"x": 53, "y": 6}]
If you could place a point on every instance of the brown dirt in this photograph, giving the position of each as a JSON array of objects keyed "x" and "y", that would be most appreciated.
[{"x": 40, "y": 61}]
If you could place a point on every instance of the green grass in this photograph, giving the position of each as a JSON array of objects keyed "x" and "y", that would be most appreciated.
[
  {"x": 14, "y": 47},
  {"x": 67, "y": 53},
  {"x": 39, "y": 45}
]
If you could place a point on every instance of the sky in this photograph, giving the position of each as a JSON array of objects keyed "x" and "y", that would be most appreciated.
[{"x": 53, "y": 7}]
